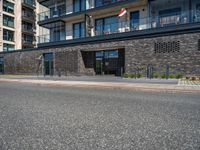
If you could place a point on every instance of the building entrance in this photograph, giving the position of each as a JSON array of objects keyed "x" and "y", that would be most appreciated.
[
  {"x": 109, "y": 62},
  {"x": 48, "y": 64},
  {"x": 1, "y": 65}
]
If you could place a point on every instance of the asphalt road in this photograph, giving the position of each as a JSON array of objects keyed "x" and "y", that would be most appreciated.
[{"x": 55, "y": 118}]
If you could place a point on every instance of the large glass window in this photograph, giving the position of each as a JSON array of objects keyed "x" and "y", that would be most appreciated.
[
  {"x": 58, "y": 33},
  {"x": 59, "y": 11},
  {"x": 28, "y": 13},
  {"x": 79, "y": 5},
  {"x": 134, "y": 20},
  {"x": 27, "y": 26},
  {"x": 79, "y": 30},
  {"x": 27, "y": 39},
  {"x": 8, "y": 7},
  {"x": 8, "y": 21},
  {"x": 29, "y": 2},
  {"x": 197, "y": 15},
  {"x": 99, "y": 3},
  {"x": 170, "y": 16},
  {"x": 106, "y": 25},
  {"x": 8, "y": 35},
  {"x": 8, "y": 47}
]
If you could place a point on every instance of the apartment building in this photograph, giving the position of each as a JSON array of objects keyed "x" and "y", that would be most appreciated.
[
  {"x": 17, "y": 24},
  {"x": 112, "y": 37}
]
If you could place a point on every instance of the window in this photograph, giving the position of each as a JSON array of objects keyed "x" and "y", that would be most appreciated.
[
  {"x": 134, "y": 20},
  {"x": 57, "y": 33},
  {"x": 111, "y": 54},
  {"x": 27, "y": 39},
  {"x": 79, "y": 30},
  {"x": 8, "y": 21},
  {"x": 8, "y": 7},
  {"x": 199, "y": 44},
  {"x": 79, "y": 5},
  {"x": 28, "y": 13},
  {"x": 27, "y": 26},
  {"x": 170, "y": 17},
  {"x": 99, "y": 3},
  {"x": 8, "y": 47},
  {"x": 106, "y": 25},
  {"x": 8, "y": 35},
  {"x": 59, "y": 11},
  {"x": 29, "y": 2},
  {"x": 197, "y": 15}
]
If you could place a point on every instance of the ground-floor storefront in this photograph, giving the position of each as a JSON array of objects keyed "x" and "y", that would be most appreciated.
[{"x": 172, "y": 54}]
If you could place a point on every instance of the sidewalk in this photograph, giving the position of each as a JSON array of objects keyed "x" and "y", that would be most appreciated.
[{"x": 113, "y": 83}]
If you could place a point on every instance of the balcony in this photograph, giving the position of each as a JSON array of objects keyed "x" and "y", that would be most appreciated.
[
  {"x": 28, "y": 43},
  {"x": 137, "y": 27},
  {"x": 29, "y": 3},
  {"x": 70, "y": 9},
  {"x": 28, "y": 16},
  {"x": 28, "y": 30}
]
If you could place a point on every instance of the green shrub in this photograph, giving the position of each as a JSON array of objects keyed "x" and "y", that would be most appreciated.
[
  {"x": 171, "y": 76},
  {"x": 156, "y": 75},
  {"x": 139, "y": 75},
  {"x": 163, "y": 76},
  {"x": 179, "y": 76},
  {"x": 125, "y": 75},
  {"x": 132, "y": 75}
]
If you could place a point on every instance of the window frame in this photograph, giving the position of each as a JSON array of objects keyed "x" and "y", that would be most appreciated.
[
  {"x": 6, "y": 8},
  {"x": 80, "y": 29},
  {"x": 7, "y": 20}
]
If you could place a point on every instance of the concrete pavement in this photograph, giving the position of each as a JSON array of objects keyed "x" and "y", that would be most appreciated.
[{"x": 116, "y": 83}]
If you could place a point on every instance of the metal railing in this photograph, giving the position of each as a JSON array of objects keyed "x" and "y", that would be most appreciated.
[
  {"x": 70, "y": 9},
  {"x": 126, "y": 26},
  {"x": 28, "y": 15},
  {"x": 29, "y": 2},
  {"x": 28, "y": 29},
  {"x": 28, "y": 42}
]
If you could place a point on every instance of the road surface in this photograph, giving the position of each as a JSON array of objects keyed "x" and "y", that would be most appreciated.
[{"x": 55, "y": 118}]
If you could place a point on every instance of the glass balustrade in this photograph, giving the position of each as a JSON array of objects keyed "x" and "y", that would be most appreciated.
[{"x": 134, "y": 25}]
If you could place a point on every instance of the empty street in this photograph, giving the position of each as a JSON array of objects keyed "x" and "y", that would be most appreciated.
[{"x": 35, "y": 117}]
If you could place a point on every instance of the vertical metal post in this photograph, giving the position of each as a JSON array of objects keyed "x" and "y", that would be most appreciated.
[
  {"x": 167, "y": 71},
  {"x": 190, "y": 12},
  {"x": 121, "y": 72}
]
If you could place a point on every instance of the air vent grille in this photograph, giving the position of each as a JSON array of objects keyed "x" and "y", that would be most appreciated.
[{"x": 167, "y": 47}]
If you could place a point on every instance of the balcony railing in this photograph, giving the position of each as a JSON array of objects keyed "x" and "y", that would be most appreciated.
[
  {"x": 127, "y": 26},
  {"x": 29, "y": 2},
  {"x": 28, "y": 29},
  {"x": 29, "y": 16},
  {"x": 70, "y": 9},
  {"x": 28, "y": 42}
]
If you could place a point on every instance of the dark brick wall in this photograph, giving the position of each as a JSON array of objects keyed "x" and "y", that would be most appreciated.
[
  {"x": 66, "y": 62},
  {"x": 138, "y": 54}
]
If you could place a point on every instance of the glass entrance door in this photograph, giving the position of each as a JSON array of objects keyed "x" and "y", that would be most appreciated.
[
  {"x": 134, "y": 20},
  {"x": 48, "y": 64},
  {"x": 109, "y": 62},
  {"x": 99, "y": 62},
  {"x": 1, "y": 65}
]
